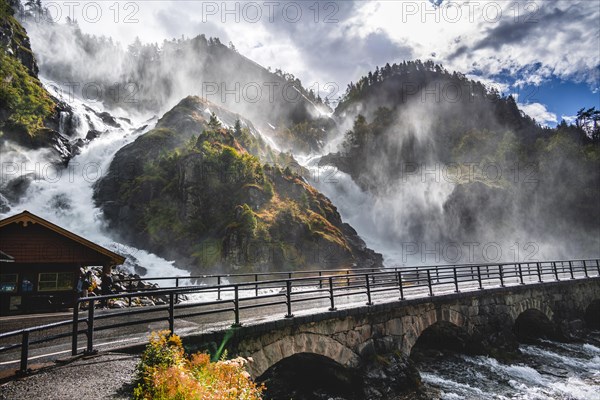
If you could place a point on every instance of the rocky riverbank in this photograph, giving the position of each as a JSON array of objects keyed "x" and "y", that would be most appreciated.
[{"x": 125, "y": 282}]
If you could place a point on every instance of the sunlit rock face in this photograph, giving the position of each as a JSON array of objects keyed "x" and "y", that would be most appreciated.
[{"x": 204, "y": 188}]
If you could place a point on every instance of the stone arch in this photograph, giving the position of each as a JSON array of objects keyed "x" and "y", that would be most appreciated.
[
  {"x": 288, "y": 346},
  {"x": 414, "y": 326},
  {"x": 529, "y": 303},
  {"x": 533, "y": 324}
]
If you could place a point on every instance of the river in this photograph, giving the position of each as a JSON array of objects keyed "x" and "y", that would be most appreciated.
[{"x": 546, "y": 370}]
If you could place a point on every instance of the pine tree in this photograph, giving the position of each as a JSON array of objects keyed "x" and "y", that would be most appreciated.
[
  {"x": 214, "y": 122},
  {"x": 237, "y": 128}
]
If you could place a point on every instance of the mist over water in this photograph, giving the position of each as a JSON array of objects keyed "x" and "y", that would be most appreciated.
[
  {"x": 63, "y": 195},
  {"x": 412, "y": 216},
  {"x": 384, "y": 220},
  {"x": 417, "y": 202},
  {"x": 151, "y": 78}
]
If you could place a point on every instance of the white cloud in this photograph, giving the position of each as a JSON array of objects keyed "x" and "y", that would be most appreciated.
[
  {"x": 569, "y": 119},
  {"x": 538, "y": 112},
  {"x": 501, "y": 87},
  {"x": 531, "y": 40}
]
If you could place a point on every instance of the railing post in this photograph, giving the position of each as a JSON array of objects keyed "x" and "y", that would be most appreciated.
[
  {"x": 90, "y": 328},
  {"x": 400, "y": 285},
  {"x": 236, "y": 306},
  {"x": 172, "y": 313},
  {"x": 24, "y": 352},
  {"x": 331, "y": 298},
  {"x": 555, "y": 271},
  {"x": 320, "y": 280},
  {"x": 479, "y": 277},
  {"x": 75, "y": 328},
  {"x": 520, "y": 273},
  {"x": 598, "y": 266},
  {"x": 218, "y": 287},
  {"x": 177, "y": 286},
  {"x": 429, "y": 283},
  {"x": 347, "y": 278},
  {"x": 288, "y": 298},
  {"x": 585, "y": 269},
  {"x": 501, "y": 274},
  {"x": 130, "y": 298},
  {"x": 539, "y": 271},
  {"x": 571, "y": 270},
  {"x": 369, "y": 302},
  {"x": 256, "y": 285},
  {"x": 455, "y": 280}
]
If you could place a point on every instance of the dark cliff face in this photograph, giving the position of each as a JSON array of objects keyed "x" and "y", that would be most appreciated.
[
  {"x": 29, "y": 115},
  {"x": 14, "y": 39},
  {"x": 486, "y": 171},
  {"x": 216, "y": 198}
]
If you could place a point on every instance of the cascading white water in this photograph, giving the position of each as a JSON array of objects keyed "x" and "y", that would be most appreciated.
[
  {"x": 382, "y": 221},
  {"x": 64, "y": 196},
  {"x": 546, "y": 371},
  {"x": 62, "y": 122}
]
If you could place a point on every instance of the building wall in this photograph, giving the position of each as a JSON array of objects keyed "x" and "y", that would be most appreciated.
[
  {"x": 27, "y": 297},
  {"x": 36, "y": 244}
]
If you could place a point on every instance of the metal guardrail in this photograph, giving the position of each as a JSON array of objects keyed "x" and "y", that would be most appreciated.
[
  {"x": 322, "y": 285},
  {"x": 219, "y": 279}
]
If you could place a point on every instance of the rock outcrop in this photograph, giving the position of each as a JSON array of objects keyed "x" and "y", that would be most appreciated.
[
  {"x": 212, "y": 197},
  {"x": 29, "y": 115}
]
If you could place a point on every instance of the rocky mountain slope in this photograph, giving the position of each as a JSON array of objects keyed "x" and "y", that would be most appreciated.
[
  {"x": 456, "y": 162},
  {"x": 30, "y": 115},
  {"x": 204, "y": 189},
  {"x": 152, "y": 78},
  {"x": 26, "y": 108}
]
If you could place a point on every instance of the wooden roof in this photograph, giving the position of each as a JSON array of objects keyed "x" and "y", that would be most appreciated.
[{"x": 25, "y": 218}]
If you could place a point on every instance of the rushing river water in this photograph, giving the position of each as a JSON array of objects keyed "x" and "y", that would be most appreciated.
[{"x": 544, "y": 371}]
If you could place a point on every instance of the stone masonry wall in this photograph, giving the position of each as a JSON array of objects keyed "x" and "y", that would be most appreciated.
[{"x": 352, "y": 336}]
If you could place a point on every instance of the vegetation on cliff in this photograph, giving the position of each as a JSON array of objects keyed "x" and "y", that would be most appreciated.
[
  {"x": 485, "y": 169},
  {"x": 214, "y": 197},
  {"x": 24, "y": 103},
  {"x": 22, "y": 97}
]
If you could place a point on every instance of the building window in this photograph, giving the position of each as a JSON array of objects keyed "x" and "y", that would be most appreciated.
[
  {"x": 8, "y": 283},
  {"x": 55, "y": 281}
]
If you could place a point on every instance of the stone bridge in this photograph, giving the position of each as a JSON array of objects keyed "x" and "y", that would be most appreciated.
[{"x": 351, "y": 337}]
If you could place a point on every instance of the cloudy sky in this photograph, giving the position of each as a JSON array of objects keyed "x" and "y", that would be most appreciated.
[{"x": 547, "y": 53}]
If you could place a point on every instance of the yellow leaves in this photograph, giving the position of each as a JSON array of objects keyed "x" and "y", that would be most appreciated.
[{"x": 173, "y": 376}]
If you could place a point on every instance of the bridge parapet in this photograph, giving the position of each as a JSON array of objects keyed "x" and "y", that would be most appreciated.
[
  {"x": 428, "y": 295},
  {"x": 352, "y": 336}
]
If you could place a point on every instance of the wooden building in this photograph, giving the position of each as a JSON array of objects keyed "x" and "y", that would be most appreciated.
[{"x": 40, "y": 264}]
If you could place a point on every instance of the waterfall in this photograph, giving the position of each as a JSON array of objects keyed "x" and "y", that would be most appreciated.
[{"x": 64, "y": 195}]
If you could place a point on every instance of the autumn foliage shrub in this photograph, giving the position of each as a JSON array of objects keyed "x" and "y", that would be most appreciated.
[{"x": 166, "y": 373}]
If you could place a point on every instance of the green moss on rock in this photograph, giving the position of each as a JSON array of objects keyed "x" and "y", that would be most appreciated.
[{"x": 202, "y": 198}]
